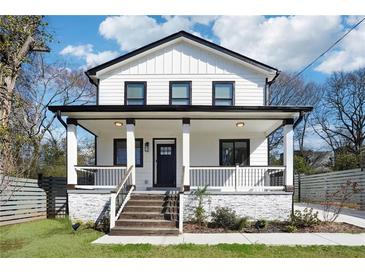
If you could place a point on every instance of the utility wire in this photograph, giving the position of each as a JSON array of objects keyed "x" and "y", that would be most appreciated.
[
  {"x": 323, "y": 53},
  {"x": 327, "y": 50}
]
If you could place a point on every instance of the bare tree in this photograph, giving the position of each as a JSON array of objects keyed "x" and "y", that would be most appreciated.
[
  {"x": 290, "y": 90},
  {"x": 340, "y": 118}
]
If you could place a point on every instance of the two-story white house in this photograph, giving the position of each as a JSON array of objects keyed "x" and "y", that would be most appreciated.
[{"x": 172, "y": 116}]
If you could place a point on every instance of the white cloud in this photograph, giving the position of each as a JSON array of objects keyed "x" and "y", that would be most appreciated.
[
  {"x": 86, "y": 52},
  {"x": 288, "y": 43},
  {"x": 350, "y": 55},
  {"x": 131, "y": 32}
]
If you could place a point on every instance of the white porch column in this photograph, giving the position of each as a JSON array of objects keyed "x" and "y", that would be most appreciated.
[
  {"x": 289, "y": 153},
  {"x": 186, "y": 151},
  {"x": 131, "y": 147},
  {"x": 71, "y": 136}
]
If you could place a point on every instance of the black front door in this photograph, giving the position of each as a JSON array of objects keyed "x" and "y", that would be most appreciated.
[{"x": 166, "y": 165}]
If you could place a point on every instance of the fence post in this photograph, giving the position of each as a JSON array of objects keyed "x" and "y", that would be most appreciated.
[
  {"x": 112, "y": 209},
  {"x": 236, "y": 178}
]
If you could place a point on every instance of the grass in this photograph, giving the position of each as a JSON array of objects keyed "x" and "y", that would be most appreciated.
[{"x": 55, "y": 238}]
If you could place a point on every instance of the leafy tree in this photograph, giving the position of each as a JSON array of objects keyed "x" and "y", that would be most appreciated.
[{"x": 345, "y": 161}]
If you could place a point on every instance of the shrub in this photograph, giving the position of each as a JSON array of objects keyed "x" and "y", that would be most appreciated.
[
  {"x": 242, "y": 223},
  {"x": 199, "y": 213},
  {"x": 291, "y": 228},
  {"x": 305, "y": 219},
  {"x": 261, "y": 224},
  {"x": 224, "y": 217}
]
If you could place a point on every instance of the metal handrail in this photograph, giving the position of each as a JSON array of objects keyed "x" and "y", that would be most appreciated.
[{"x": 120, "y": 186}]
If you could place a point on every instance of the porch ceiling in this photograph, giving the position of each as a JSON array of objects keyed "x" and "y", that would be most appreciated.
[{"x": 172, "y": 127}]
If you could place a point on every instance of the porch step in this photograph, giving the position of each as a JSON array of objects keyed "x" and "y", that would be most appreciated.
[
  {"x": 136, "y": 231},
  {"x": 156, "y": 209},
  {"x": 148, "y": 214},
  {"x": 145, "y": 223}
]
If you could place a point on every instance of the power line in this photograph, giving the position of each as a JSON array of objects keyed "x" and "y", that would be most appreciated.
[{"x": 327, "y": 50}]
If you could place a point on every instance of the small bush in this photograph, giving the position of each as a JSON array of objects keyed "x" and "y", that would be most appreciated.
[
  {"x": 224, "y": 217},
  {"x": 243, "y": 223},
  {"x": 305, "y": 219},
  {"x": 291, "y": 228},
  {"x": 261, "y": 224}
]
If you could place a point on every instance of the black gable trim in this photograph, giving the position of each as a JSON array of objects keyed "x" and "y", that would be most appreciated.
[{"x": 169, "y": 38}]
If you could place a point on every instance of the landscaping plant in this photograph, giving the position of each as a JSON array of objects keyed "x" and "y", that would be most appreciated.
[
  {"x": 224, "y": 217},
  {"x": 304, "y": 219},
  {"x": 199, "y": 213}
]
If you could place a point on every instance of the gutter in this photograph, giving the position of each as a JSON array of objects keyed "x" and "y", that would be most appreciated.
[
  {"x": 300, "y": 118},
  {"x": 59, "y": 118}
]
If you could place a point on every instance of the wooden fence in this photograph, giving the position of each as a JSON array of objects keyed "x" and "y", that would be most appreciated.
[
  {"x": 315, "y": 188},
  {"x": 23, "y": 200}
]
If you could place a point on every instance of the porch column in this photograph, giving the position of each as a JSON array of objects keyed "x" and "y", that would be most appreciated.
[
  {"x": 71, "y": 137},
  {"x": 289, "y": 154},
  {"x": 186, "y": 151},
  {"x": 131, "y": 147}
]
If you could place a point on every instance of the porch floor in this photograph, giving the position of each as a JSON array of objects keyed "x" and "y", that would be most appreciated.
[{"x": 344, "y": 239}]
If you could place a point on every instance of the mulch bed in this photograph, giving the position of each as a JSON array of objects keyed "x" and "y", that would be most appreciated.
[{"x": 279, "y": 227}]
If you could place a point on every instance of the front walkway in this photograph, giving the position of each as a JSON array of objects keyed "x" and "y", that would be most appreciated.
[
  {"x": 241, "y": 238},
  {"x": 350, "y": 216}
]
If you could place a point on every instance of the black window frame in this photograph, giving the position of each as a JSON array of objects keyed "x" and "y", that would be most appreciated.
[
  {"x": 221, "y": 141},
  {"x": 170, "y": 92},
  {"x": 126, "y": 83},
  {"x": 125, "y": 140},
  {"x": 233, "y": 92}
]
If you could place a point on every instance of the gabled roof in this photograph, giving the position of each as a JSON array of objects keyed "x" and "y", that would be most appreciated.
[{"x": 91, "y": 73}]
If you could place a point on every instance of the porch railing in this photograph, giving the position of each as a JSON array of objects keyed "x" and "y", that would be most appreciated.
[
  {"x": 120, "y": 195},
  {"x": 105, "y": 176},
  {"x": 252, "y": 178}
]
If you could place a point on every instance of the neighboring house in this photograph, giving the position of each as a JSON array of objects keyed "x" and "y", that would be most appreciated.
[{"x": 172, "y": 116}]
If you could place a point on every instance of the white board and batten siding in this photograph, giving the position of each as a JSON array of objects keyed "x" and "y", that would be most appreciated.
[{"x": 182, "y": 61}]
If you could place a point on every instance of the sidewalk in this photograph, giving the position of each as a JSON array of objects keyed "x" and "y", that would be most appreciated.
[
  {"x": 241, "y": 238},
  {"x": 350, "y": 216}
]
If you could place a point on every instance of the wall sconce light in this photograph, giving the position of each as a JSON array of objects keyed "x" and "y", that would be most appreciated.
[
  {"x": 240, "y": 124},
  {"x": 147, "y": 147},
  {"x": 118, "y": 124}
]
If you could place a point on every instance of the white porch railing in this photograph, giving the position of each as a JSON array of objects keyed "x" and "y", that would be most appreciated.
[
  {"x": 101, "y": 176},
  {"x": 120, "y": 196},
  {"x": 252, "y": 178}
]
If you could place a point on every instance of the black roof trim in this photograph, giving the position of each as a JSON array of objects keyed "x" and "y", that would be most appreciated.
[
  {"x": 171, "y": 37},
  {"x": 172, "y": 108}
]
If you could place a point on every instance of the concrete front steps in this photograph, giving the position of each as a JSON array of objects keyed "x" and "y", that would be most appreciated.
[{"x": 148, "y": 214}]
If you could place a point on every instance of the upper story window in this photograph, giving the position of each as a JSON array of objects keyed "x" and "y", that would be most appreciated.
[
  {"x": 180, "y": 93},
  {"x": 223, "y": 93},
  {"x": 135, "y": 93}
]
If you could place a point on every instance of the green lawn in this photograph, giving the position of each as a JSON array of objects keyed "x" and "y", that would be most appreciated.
[{"x": 54, "y": 238}]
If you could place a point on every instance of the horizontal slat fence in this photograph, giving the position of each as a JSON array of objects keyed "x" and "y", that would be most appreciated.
[
  {"x": 57, "y": 202},
  {"x": 313, "y": 188},
  {"x": 21, "y": 200}
]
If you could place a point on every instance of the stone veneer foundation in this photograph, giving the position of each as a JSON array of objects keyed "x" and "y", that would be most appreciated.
[{"x": 264, "y": 205}]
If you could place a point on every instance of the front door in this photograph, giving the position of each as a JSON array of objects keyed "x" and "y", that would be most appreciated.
[{"x": 166, "y": 165}]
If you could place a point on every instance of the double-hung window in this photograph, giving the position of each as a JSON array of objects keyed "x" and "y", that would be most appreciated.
[
  {"x": 135, "y": 93},
  {"x": 223, "y": 93},
  {"x": 180, "y": 93},
  {"x": 120, "y": 152},
  {"x": 234, "y": 152}
]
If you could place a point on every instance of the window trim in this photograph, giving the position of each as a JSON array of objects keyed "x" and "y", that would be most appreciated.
[
  {"x": 223, "y": 82},
  {"x": 126, "y": 83},
  {"x": 179, "y": 82},
  {"x": 221, "y": 141},
  {"x": 124, "y": 139}
]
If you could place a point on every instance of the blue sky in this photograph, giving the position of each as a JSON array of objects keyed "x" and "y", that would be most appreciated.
[{"x": 286, "y": 42}]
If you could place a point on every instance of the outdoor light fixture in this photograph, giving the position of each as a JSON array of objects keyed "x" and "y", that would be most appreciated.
[
  {"x": 118, "y": 124},
  {"x": 240, "y": 124},
  {"x": 147, "y": 147}
]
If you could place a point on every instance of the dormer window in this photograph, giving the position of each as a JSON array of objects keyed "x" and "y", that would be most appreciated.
[
  {"x": 135, "y": 93},
  {"x": 223, "y": 93},
  {"x": 180, "y": 93}
]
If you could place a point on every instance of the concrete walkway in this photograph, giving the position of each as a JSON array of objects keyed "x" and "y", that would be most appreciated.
[
  {"x": 241, "y": 238},
  {"x": 350, "y": 216}
]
